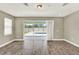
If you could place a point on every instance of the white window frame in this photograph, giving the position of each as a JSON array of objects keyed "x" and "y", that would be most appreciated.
[{"x": 7, "y": 26}]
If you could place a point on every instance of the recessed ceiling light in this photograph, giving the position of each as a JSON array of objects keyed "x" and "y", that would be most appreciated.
[{"x": 39, "y": 6}]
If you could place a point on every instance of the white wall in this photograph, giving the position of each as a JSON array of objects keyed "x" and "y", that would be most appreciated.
[{"x": 71, "y": 27}]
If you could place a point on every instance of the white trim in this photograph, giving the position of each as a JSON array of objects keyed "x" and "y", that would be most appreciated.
[
  {"x": 2, "y": 45},
  {"x": 72, "y": 43},
  {"x": 66, "y": 41},
  {"x": 58, "y": 39},
  {"x": 18, "y": 40},
  {"x": 48, "y": 40}
]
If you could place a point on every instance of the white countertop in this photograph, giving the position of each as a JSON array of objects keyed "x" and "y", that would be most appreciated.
[{"x": 34, "y": 34}]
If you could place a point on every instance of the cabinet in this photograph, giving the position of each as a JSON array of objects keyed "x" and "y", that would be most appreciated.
[{"x": 35, "y": 45}]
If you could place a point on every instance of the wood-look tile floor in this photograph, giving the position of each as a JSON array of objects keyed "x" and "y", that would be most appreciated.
[
  {"x": 62, "y": 48},
  {"x": 54, "y": 48}
]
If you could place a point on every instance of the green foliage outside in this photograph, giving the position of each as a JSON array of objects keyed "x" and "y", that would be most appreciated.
[{"x": 35, "y": 25}]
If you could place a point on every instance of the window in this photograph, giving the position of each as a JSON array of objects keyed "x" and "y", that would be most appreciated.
[
  {"x": 7, "y": 26},
  {"x": 35, "y": 25}
]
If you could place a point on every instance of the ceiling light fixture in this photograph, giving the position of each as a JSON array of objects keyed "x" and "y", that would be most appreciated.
[
  {"x": 26, "y": 4},
  {"x": 65, "y": 4},
  {"x": 39, "y": 6}
]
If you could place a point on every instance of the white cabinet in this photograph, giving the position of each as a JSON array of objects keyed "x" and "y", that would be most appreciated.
[{"x": 35, "y": 45}]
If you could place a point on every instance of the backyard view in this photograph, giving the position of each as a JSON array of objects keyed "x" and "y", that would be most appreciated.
[{"x": 34, "y": 27}]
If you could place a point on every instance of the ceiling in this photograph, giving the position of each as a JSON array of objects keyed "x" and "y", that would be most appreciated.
[{"x": 47, "y": 10}]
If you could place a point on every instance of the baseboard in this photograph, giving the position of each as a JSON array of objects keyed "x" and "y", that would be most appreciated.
[
  {"x": 72, "y": 43},
  {"x": 66, "y": 41},
  {"x": 58, "y": 39},
  {"x": 18, "y": 40},
  {"x": 48, "y": 40},
  {"x": 10, "y": 42},
  {"x": 6, "y": 43}
]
